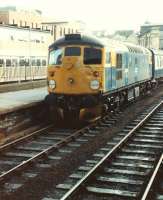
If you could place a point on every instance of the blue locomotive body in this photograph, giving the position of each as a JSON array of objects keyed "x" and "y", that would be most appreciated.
[{"x": 126, "y": 65}]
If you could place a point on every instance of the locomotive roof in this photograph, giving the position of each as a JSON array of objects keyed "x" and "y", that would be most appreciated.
[
  {"x": 120, "y": 46},
  {"x": 77, "y": 39},
  {"x": 157, "y": 52}
]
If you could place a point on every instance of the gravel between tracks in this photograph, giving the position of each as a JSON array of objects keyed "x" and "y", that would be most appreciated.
[{"x": 35, "y": 189}]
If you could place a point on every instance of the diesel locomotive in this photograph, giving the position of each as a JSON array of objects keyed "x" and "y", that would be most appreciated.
[{"x": 87, "y": 77}]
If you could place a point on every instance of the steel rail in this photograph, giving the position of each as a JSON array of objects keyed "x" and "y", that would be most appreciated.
[
  {"x": 109, "y": 154},
  {"x": 153, "y": 177},
  {"x": 45, "y": 152},
  {"x": 33, "y": 134},
  {"x": 22, "y": 139}
]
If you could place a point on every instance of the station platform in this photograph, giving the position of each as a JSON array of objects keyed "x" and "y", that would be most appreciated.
[{"x": 12, "y": 101}]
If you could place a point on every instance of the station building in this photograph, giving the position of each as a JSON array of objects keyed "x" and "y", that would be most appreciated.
[
  {"x": 151, "y": 36},
  {"x": 60, "y": 28},
  {"x": 19, "y": 17},
  {"x": 23, "y": 53},
  {"x": 24, "y": 41},
  {"x": 33, "y": 19},
  {"x": 20, "y": 39}
]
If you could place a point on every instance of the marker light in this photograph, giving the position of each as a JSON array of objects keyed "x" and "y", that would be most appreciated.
[
  {"x": 94, "y": 85},
  {"x": 52, "y": 84}
]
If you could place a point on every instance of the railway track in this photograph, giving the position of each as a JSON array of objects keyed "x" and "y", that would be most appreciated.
[
  {"x": 121, "y": 169},
  {"x": 154, "y": 189},
  {"x": 42, "y": 149}
]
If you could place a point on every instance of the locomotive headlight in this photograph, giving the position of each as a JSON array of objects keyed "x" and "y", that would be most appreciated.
[
  {"x": 94, "y": 85},
  {"x": 52, "y": 84}
]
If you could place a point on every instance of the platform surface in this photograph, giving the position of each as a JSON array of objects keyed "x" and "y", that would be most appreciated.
[{"x": 13, "y": 100}]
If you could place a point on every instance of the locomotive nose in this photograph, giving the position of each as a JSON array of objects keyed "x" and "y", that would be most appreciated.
[{"x": 71, "y": 81}]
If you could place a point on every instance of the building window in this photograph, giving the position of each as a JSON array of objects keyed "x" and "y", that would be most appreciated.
[
  {"x": 37, "y": 41},
  {"x": 12, "y": 37},
  {"x": 1, "y": 62},
  {"x": 60, "y": 31},
  {"x": 20, "y": 23},
  {"x": 14, "y": 62},
  {"x": 33, "y": 62},
  {"x": 22, "y": 62},
  {"x": 55, "y": 31},
  {"x": 13, "y": 21},
  {"x": 32, "y": 24},
  {"x": 43, "y": 62},
  {"x": 52, "y": 32},
  {"x": 8, "y": 63},
  {"x": 26, "y": 62},
  {"x": 38, "y": 62}
]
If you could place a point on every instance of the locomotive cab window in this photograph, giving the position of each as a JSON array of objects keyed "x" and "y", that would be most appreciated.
[
  {"x": 55, "y": 57},
  {"x": 72, "y": 51},
  {"x": 92, "y": 56}
]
